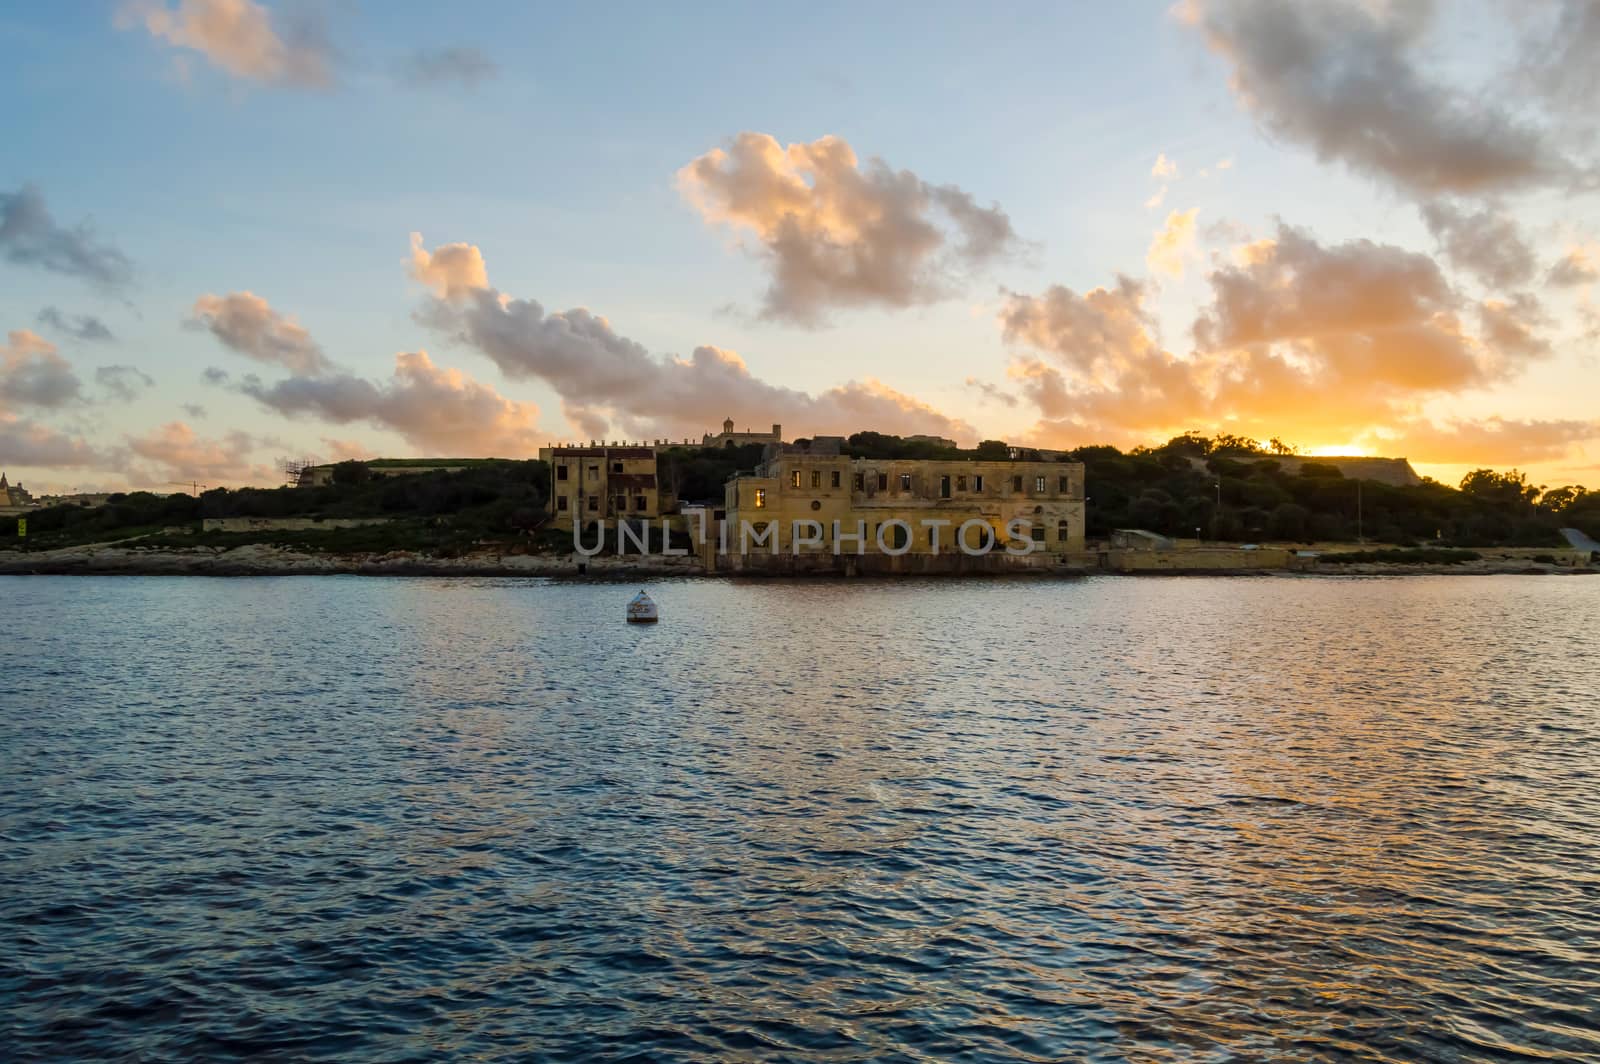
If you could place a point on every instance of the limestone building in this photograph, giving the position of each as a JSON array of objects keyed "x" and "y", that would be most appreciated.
[
  {"x": 728, "y": 436},
  {"x": 796, "y": 484},
  {"x": 14, "y": 496},
  {"x": 603, "y": 481}
]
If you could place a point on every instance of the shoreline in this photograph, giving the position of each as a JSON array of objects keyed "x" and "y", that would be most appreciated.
[{"x": 265, "y": 560}]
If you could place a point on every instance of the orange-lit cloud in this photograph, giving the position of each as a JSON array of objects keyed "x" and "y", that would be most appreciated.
[
  {"x": 1330, "y": 342},
  {"x": 1491, "y": 442},
  {"x": 453, "y": 271},
  {"x": 239, "y": 37},
  {"x": 1173, "y": 243},
  {"x": 1580, "y": 265},
  {"x": 179, "y": 453},
  {"x": 437, "y": 409},
  {"x": 33, "y": 374},
  {"x": 608, "y": 382},
  {"x": 835, "y": 233},
  {"x": 246, "y": 323}
]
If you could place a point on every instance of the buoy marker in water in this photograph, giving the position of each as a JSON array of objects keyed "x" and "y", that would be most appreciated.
[{"x": 642, "y": 609}]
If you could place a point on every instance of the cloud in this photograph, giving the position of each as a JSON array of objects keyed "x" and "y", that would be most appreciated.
[
  {"x": 453, "y": 271},
  {"x": 85, "y": 327},
  {"x": 347, "y": 450},
  {"x": 834, "y": 233},
  {"x": 241, "y": 38},
  {"x": 181, "y": 454},
  {"x": 605, "y": 379},
  {"x": 1493, "y": 441},
  {"x": 1156, "y": 200},
  {"x": 33, "y": 374},
  {"x": 29, "y": 236},
  {"x": 28, "y": 443},
  {"x": 194, "y": 410},
  {"x": 437, "y": 409},
  {"x": 1508, "y": 328},
  {"x": 1172, "y": 244},
  {"x": 1297, "y": 336},
  {"x": 1580, "y": 265},
  {"x": 1164, "y": 168},
  {"x": 246, "y": 323},
  {"x": 464, "y": 66},
  {"x": 1344, "y": 80},
  {"x": 1485, "y": 242},
  {"x": 122, "y": 382},
  {"x": 1558, "y": 57},
  {"x": 992, "y": 393}
]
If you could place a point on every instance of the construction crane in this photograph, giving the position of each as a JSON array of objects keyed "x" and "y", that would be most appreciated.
[{"x": 194, "y": 486}]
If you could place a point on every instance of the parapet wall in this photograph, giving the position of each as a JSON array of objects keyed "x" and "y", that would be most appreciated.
[{"x": 1205, "y": 558}]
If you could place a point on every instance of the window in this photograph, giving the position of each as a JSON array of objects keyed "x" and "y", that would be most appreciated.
[
  {"x": 1062, "y": 531},
  {"x": 834, "y": 482},
  {"x": 761, "y": 498},
  {"x": 883, "y": 482},
  {"x": 794, "y": 479},
  {"x": 944, "y": 487},
  {"x": 616, "y": 467},
  {"x": 638, "y": 502},
  {"x": 1038, "y": 484},
  {"x": 1061, "y": 483},
  {"x": 816, "y": 478},
  {"x": 977, "y": 483},
  {"x": 905, "y": 481},
  {"x": 1038, "y": 533},
  {"x": 1016, "y": 483},
  {"x": 594, "y": 502},
  {"x": 594, "y": 472},
  {"x": 961, "y": 483},
  {"x": 561, "y": 502},
  {"x": 861, "y": 482},
  {"x": 561, "y": 472}
]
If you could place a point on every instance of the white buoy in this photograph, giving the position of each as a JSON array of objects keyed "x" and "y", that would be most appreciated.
[{"x": 642, "y": 609}]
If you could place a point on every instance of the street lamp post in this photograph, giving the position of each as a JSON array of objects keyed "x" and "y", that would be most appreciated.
[{"x": 1217, "y": 511}]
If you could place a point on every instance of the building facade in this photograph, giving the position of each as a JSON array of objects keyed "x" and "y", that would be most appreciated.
[
  {"x": 588, "y": 484},
  {"x": 915, "y": 507},
  {"x": 14, "y": 496},
  {"x": 728, "y": 436}
]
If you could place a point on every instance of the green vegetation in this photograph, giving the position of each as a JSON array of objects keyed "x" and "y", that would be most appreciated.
[
  {"x": 1173, "y": 490},
  {"x": 697, "y": 474},
  {"x": 492, "y": 501}
]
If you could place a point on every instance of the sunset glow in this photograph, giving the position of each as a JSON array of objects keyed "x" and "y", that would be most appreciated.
[{"x": 320, "y": 240}]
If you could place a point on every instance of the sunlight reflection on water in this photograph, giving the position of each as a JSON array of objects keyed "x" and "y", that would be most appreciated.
[{"x": 1166, "y": 819}]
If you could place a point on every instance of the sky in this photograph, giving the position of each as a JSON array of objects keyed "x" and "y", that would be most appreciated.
[{"x": 236, "y": 232}]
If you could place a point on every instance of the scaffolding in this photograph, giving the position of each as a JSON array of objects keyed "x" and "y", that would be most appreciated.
[{"x": 293, "y": 468}]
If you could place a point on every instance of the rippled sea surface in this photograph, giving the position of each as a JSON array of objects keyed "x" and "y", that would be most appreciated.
[{"x": 1119, "y": 819}]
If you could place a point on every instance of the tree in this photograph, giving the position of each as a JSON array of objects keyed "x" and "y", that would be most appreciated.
[
  {"x": 351, "y": 471},
  {"x": 1559, "y": 500},
  {"x": 1289, "y": 521},
  {"x": 1509, "y": 489}
]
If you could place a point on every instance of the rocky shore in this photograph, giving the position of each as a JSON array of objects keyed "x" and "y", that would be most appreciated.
[{"x": 267, "y": 560}]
